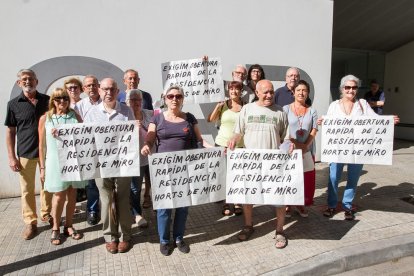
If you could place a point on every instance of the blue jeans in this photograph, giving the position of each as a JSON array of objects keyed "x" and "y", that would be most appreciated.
[
  {"x": 135, "y": 195},
  {"x": 164, "y": 221},
  {"x": 92, "y": 192},
  {"x": 335, "y": 171}
]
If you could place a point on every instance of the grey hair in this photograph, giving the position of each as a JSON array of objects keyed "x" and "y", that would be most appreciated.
[
  {"x": 130, "y": 71},
  {"x": 133, "y": 92},
  {"x": 90, "y": 77},
  {"x": 293, "y": 68},
  {"x": 179, "y": 88},
  {"x": 349, "y": 78},
  {"x": 26, "y": 71}
]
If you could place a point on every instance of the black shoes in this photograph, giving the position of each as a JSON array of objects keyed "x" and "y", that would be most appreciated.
[
  {"x": 182, "y": 246},
  {"x": 165, "y": 249},
  {"x": 92, "y": 219}
]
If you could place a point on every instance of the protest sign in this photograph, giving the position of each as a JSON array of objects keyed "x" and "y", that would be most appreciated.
[
  {"x": 201, "y": 81},
  {"x": 92, "y": 150},
  {"x": 259, "y": 176},
  {"x": 357, "y": 140},
  {"x": 186, "y": 178}
]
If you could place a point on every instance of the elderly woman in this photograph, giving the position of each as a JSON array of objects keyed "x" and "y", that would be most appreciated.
[
  {"x": 174, "y": 130},
  {"x": 227, "y": 113},
  {"x": 59, "y": 113},
  {"x": 254, "y": 75},
  {"x": 73, "y": 87},
  {"x": 348, "y": 105},
  {"x": 143, "y": 116},
  {"x": 302, "y": 130}
]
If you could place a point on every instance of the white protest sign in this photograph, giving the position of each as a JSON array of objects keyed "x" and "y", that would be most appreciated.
[
  {"x": 92, "y": 150},
  {"x": 202, "y": 81},
  {"x": 357, "y": 140},
  {"x": 260, "y": 176},
  {"x": 186, "y": 178}
]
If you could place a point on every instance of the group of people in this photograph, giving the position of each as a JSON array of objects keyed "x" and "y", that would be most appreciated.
[{"x": 254, "y": 116}]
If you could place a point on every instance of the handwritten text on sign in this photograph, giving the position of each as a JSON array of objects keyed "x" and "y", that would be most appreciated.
[
  {"x": 90, "y": 150},
  {"x": 259, "y": 176},
  {"x": 357, "y": 140},
  {"x": 186, "y": 178},
  {"x": 202, "y": 81}
]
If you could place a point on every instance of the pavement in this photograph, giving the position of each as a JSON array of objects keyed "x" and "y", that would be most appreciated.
[{"x": 383, "y": 230}]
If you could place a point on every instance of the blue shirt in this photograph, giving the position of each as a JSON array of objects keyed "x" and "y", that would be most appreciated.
[
  {"x": 283, "y": 96},
  {"x": 379, "y": 96}
]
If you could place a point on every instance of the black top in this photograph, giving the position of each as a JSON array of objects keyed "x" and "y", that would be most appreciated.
[{"x": 23, "y": 115}]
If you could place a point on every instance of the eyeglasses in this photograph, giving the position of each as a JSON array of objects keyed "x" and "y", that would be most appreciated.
[
  {"x": 350, "y": 87},
  {"x": 108, "y": 89},
  {"x": 239, "y": 73},
  {"x": 58, "y": 99},
  {"x": 176, "y": 96},
  {"x": 292, "y": 76},
  {"x": 256, "y": 71},
  {"x": 73, "y": 88}
]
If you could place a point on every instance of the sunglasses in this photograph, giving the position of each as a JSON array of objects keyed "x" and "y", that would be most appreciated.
[
  {"x": 176, "y": 96},
  {"x": 58, "y": 99},
  {"x": 350, "y": 87},
  {"x": 73, "y": 87}
]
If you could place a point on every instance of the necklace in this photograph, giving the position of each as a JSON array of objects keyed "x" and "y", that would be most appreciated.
[
  {"x": 300, "y": 131},
  {"x": 347, "y": 112},
  {"x": 56, "y": 117}
]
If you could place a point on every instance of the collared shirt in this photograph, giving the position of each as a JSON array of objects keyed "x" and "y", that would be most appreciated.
[
  {"x": 284, "y": 96},
  {"x": 146, "y": 99},
  {"x": 83, "y": 106},
  {"x": 97, "y": 113},
  {"x": 23, "y": 115}
]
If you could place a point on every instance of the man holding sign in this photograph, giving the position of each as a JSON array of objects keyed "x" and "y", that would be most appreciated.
[
  {"x": 263, "y": 125},
  {"x": 113, "y": 191}
]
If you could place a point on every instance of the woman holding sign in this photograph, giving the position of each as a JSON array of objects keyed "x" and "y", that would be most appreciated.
[
  {"x": 302, "y": 130},
  {"x": 348, "y": 105},
  {"x": 143, "y": 116},
  {"x": 173, "y": 130},
  {"x": 59, "y": 113},
  {"x": 227, "y": 113}
]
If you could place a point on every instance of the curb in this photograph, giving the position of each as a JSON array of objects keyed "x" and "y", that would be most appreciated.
[{"x": 351, "y": 257}]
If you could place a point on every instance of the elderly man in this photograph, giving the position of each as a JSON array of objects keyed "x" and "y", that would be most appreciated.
[
  {"x": 262, "y": 125},
  {"x": 284, "y": 94},
  {"x": 240, "y": 74},
  {"x": 23, "y": 113},
  {"x": 131, "y": 81},
  {"x": 117, "y": 233},
  {"x": 375, "y": 97},
  {"x": 91, "y": 88}
]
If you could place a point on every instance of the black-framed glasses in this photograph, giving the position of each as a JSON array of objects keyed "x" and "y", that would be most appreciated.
[
  {"x": 58, "y": 99},
  {"x": 347, "y": 87},
  {"x": 176, "y": 96}
]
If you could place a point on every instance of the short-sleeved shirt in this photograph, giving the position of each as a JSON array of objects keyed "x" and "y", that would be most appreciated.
[
  {"x": 173, "y": 136},
  {"x": 146, "y": 99},
  {"x": 97, "y": 113},
  {"x": 24, "y": 116},
  {"x": 379, "y": 96},
  {"x": 300, "y": 127},
  {"x": 262, "y": 127}
]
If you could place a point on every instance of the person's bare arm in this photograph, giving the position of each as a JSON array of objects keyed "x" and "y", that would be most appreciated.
[
  {"x": 14, "y": 163},
  {"x": 42, "y": 146},
  {"x": 149, "y": 140}
]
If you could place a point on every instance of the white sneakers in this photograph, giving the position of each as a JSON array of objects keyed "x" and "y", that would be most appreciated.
[{"x": 140, "y": 221}]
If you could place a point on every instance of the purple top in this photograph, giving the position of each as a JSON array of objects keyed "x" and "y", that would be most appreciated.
[{"x": 173, "y": 136}]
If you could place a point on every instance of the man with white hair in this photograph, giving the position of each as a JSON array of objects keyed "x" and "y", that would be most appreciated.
[
  {"x": 284, "y": 94},
  {"x": 117, "y": 232},
  {"x": 240, "y": 74},
  {"x": 22, "y": 118}
]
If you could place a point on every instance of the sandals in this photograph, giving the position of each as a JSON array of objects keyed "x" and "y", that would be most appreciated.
[
  {"x": 238, "y": 209},
  {"x": 281, "y": 240},
  {"x": 302, "y": 211},
  {"x": 288, "y": 213},
  {"x": 55, "y": 239},
  {"x": 226, "y": 210},
  {"x": 74, "y": 235},
  {"x": 147, "y": 202},
  {"x": 329, "y": 212},
  {"x": 245, "y": 233},
  {"x": 349, "y": 215}
]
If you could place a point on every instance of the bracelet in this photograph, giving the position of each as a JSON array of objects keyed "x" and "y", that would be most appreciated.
[{"x": 42, "y": 168}]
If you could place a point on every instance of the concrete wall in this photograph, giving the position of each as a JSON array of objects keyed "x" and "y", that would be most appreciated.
[
  {"x": 399, "y": 88},
  {"x": 60, "y": 38}
]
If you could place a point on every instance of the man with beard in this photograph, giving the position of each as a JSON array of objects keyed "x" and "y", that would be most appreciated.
[{"x": 22, "y": 118}]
